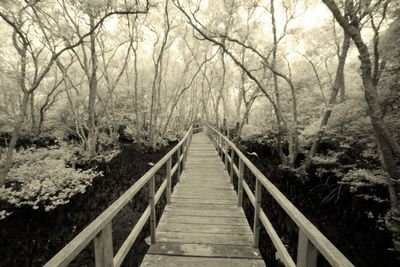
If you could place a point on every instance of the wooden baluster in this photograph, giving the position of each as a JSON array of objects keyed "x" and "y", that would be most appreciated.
[
  {"x": 226, "y": 155},
  {"x": 222, "y": 148},
  {"x": 219, "y": 144},
  {"x": 187, "y": 147},
  {"x": 240, "y": 182},
  {"x": 184, "y": 154},
  {"x": 232, "y": 162},
  {"x": 152, "y": 203},
  {"x": 179, "y": 165},
  {"x": 103, "y": 247},
  {"x": 306, "y": 252},
  {"x": 256, "y": 224},
  {"x": 169, "y": 183}
]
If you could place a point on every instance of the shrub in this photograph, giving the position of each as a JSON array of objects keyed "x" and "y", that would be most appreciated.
[
  {"x": 362, "y": 182},
  {"x": 363, "y": 177},
  {"x": 42, "y": 178}
]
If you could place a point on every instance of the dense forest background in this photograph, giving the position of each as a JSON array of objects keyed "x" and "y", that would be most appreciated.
[{"x": 308, "y": 88}]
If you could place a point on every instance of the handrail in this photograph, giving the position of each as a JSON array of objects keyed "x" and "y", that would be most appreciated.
[
  {"x": 100, "y": 230},
  {"x": 311, "y": 240}
]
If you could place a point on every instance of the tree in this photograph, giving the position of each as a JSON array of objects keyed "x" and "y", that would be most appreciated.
[
  {"x": 337, "y": 86},
  {"x": 389, "y": 149},
  {"x": 23, "y": 40},
  {"x": 219, "y": 39},
  {"x": 158, "y": 66}
]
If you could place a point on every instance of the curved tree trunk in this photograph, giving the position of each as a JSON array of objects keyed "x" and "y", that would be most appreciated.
[
  {"x": 337, "y": 85},
  {"x": 92, "y": 136},
  {"x": 387, "y": 145},
  {"x": 14, "y": 137}
]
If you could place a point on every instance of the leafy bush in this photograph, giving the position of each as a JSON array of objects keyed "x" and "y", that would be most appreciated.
[
  {"x": 363, "y": 178},
  {"x": 32, "y": 155},
  {"x": 42, "y": 178},
  {"x": 251, "y": 131},
  {"x": 348, "y": 120}
]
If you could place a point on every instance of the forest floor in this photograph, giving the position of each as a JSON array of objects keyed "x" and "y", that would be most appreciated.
[
  {"x": 31, "y": 237},
  {"x": 352, "y": 223}
]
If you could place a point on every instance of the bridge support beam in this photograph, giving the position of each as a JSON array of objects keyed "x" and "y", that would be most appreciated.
[
  {"x": 169, "y": 183},
  {"x": 240, "y": 182},
  {"x": 257, "y": 207},
  {"x": 152, "y": 204},
  {"x": 231, "y": 165},
  {"x": 103, "y": 247},
  {"x": 306, "y": 252},
  {"x": 178, "y": 172},
  {"x": 226, "y": 155}
]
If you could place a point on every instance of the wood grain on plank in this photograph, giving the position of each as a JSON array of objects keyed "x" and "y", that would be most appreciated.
[
  {"x": 203, "y": 226},
  {"x": 173, "y": 261}
]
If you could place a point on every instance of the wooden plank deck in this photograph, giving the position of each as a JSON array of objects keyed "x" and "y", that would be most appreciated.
[{"x": 203, "y": 225}]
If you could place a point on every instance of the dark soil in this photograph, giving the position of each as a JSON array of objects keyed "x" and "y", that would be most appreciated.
[
  {"x": 340, "y": 215},
  {"x": 31, "y": 237}
]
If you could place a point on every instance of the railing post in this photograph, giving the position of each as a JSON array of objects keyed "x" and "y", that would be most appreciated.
[
  {"x": 179, "y": 165},
  {"x": 218, "y": 145},
  {"x": 184, "y": 146},
  {"x": 226, "y": 155},
  {"x": 188, "y": 141},
  {"x": 232, "y": 162},
  {"x": 240, "y": 182},
  {"x": 152, "y": 204},
  {"x": 169, "y": 184},
  {"x": 222, "y": 148},
  {"x": 103, "y": 247},
  {"x": 257, "y": 207},
  {"x": 306, "y": 252}
]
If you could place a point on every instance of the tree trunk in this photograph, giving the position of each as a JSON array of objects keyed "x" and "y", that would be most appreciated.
[
  {"x": 293, "y": 131},
  {"x": 244, "y": 121},
  {"x": 386, "y": 143},
  {"x": 92, "y": 136},
  {"x": 136, "y": 89},
  {"x": 33, "y": 115},
  {"x": 384, "y": 138},
  {"x": 337, "y": 85},
  {"x": 14, "y": 138},
  {"x": 217, "y": 111},
  {"x": 276, "y": 86}
]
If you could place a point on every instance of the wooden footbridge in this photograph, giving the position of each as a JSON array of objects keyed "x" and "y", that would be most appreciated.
[{"x": 203, "y": 223}]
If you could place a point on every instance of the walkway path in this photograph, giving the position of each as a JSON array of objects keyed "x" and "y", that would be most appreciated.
[{"x": 203, "y": 226}]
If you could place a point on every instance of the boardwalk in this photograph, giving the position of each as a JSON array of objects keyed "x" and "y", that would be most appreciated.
[{"x": 203, "y": 225}]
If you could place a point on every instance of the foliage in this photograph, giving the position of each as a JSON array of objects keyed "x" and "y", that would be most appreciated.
[
  {"x": 347, "y": 117},
  {"x": 107, "y": 156},
  {"x": 42, "y": 178},
  {"x": 250, "y": 131},
  {"x": 359, "y": 178}
]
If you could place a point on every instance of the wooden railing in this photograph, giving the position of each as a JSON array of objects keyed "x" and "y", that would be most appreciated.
[
  {"x": 100, "y": 230},
  {"x": 311, "y": 241}
]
